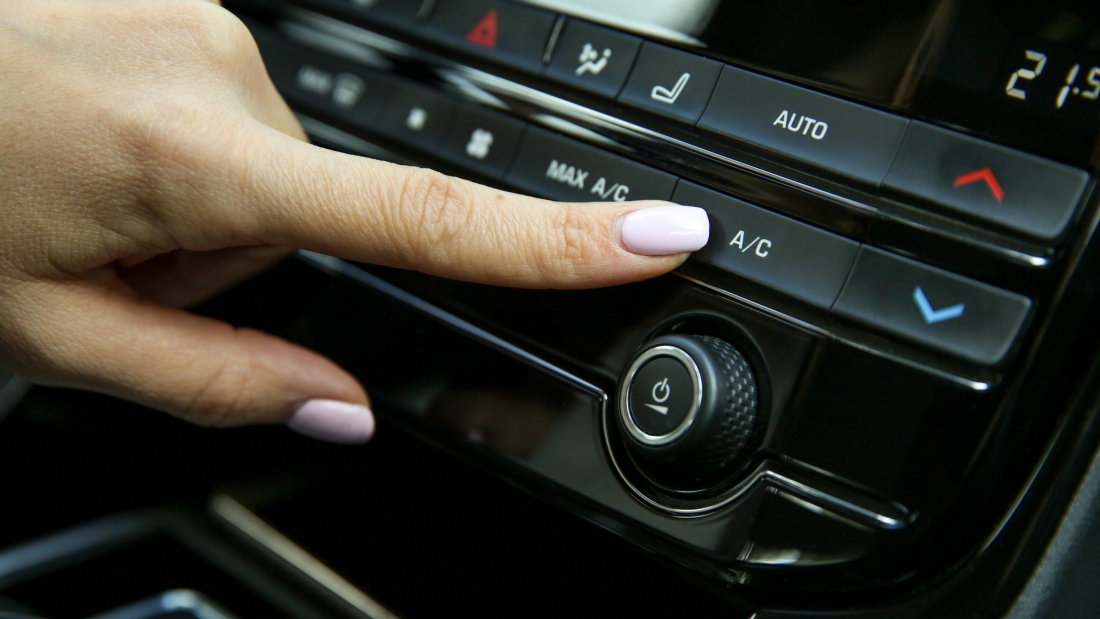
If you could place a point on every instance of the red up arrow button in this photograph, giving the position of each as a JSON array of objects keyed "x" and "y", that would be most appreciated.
[{"x": 985, "y": 174}]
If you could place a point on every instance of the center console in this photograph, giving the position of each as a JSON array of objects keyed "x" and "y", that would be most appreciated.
[{"x": 870, "y": 392}]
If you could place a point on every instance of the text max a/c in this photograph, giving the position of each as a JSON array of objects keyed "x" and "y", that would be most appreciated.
[{"x": 575, "y": 177}]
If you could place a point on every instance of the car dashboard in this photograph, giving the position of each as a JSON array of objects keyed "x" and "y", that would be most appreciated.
[{"x": 872, "y": 394}]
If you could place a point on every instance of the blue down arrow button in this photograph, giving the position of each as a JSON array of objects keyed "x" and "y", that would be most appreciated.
[{"x": 932, "y": 316}]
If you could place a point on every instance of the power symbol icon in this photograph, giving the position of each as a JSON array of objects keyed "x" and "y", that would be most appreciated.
[{"x": 661, "y": 391}]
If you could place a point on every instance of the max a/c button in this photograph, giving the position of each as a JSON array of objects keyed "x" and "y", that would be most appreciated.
[
  {"x": 556, "y": 167},
  {"x": 932, "y": 307}
]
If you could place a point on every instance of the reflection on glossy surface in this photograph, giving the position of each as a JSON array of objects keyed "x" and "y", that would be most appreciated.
[
  {"x": 679, "y": 20},
  {"x": 511, "y": 423}
]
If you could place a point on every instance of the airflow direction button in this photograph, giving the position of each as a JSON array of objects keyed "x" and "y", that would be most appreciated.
[{"x": 593, "y": 58}]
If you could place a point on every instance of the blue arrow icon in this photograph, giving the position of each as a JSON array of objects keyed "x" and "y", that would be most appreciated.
[{"x": 932, "y": 316}]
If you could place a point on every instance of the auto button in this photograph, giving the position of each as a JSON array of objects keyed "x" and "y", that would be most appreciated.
[
  {"x": 931, "y": 307},
  {"x": 832, "y": 134}
]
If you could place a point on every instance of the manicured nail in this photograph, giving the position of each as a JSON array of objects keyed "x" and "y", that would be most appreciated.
[
  {"x": 333, "y": 421},
  {"x": 666, "y": 230}
]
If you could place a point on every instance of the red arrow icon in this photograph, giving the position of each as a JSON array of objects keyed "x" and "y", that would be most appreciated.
[
  {"x": 484, "y": 33},
  {"x": 985, "y": 174}
]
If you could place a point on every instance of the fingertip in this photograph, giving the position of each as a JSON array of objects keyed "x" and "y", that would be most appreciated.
[
  {"x": 333, "y": 421},
  {"x": 664, "y": 229}
]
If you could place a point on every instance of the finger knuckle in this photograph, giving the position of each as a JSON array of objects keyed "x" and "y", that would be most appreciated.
[
  {"x": 434, "y": 211},
  {"x": 179, "y": 157},
  {"x": 210, "y": 33},
  {"x": 575, "y": 242},
  {"x": 221, "y": 398}
]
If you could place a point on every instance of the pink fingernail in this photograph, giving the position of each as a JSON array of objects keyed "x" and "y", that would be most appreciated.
[
  {"x": 333, "y": 421},
  {"x": 665, "y": 230}
]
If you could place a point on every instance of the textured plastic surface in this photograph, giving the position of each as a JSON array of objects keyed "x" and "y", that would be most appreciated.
[{"x": 733, "y": 427}]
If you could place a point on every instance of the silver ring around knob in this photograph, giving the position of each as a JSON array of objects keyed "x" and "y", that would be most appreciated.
[{"x": 696, "y": 403}]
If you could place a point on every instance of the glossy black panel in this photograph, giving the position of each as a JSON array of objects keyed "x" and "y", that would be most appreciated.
[{"x": 895, "y": 467}]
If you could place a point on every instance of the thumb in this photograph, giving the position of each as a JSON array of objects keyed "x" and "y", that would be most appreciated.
[{"x": 103, "y": 338}]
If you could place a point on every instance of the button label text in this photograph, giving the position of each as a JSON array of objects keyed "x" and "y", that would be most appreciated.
[
  {"x": 805, "y": 125},
  {"x": 763, "y": 246}
]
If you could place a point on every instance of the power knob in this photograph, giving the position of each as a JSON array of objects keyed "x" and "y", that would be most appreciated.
[{"x": 688, "y": 408}]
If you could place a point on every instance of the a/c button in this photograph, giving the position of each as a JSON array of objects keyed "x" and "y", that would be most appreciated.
[
  {"x": 770, "y": 249},
  {"x": 931, "y": 307}
]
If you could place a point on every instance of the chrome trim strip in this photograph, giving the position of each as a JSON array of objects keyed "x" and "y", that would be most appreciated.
[
  {"x": 28, "y": 560},
  {"x": 627, "y": 414},
  {"x": 341, "y": 267},
  {"x": 876, "y": 518},
  {"x": 253, "y": 527},
  {"x": 167, "y": 602},
  {"x": 552, "y": 43},
  {"x": 11, "y": 394}
]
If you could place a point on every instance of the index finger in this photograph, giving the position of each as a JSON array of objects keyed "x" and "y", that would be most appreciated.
[{"x": 296, "y": 195}]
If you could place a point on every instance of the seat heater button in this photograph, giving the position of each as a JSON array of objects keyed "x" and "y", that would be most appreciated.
[
  {"x": 483, "y": 140},
  {"x": 671, "y": 83},
  {"x": 832, "y": 134},
  {"x": 559, "y": 168},
  {"x": 932, "y": 307},
  {"x": 770, "y": 249},
  {"x": 417, "y": 116},
  {"x": 1028, "y": 194},
  {"x": 593, "y": 58},
  {"x": 503, "y": 32}
]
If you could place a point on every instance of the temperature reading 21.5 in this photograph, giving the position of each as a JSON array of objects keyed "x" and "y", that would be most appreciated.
[
  {"x": 1079, "y": 81},
  {"x": 1071, "y": 87}
]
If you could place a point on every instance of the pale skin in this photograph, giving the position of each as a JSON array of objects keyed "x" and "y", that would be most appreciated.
[{"x": 147, "y": 162}]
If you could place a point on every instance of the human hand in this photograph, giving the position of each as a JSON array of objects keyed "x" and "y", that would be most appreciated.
[{"x": 146, "y": 162}]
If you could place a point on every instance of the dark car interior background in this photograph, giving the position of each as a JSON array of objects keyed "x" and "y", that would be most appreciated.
[{"x": 874, "y": 393}]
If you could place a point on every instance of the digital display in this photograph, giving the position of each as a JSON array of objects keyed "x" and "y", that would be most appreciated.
[{"x": 1048, "y": 79}]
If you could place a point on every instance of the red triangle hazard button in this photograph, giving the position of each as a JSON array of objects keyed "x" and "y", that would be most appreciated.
[{"x": 484, "y": 34}]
